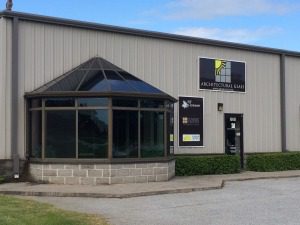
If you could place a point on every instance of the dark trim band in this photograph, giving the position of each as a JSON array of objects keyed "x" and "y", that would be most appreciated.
[
  {"x": 103, "y": 161},
  {"x": 99, "y": 94}
]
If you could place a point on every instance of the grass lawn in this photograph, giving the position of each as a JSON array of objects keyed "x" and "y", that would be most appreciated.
[{"x": 15, "y": 211}]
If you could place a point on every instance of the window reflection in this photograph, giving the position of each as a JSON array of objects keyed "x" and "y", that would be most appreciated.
[
  {"x": 129, "y": 128},
  {"x": 170, "y": 133},
  {"x": 86, "y": 102},
  {"x": 36, "y": 134},
  {"x": 92, "y": 133},
  {"x": 36, "y": 103},
  {"x": 125, "y": 102},
  {"x": 152, "y": 104},
  {"x": 125, "y": 134},
  {"x": 152, "y": 134},
  {"x": 60, "y": 102},
  {"x": 60, "y": 134}
]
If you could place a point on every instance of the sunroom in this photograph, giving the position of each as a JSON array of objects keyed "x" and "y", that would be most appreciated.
[{"x": 99, "y": 124}]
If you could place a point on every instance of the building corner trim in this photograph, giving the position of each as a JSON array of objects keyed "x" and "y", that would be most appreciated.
[
  {"x": 283, "y": 103},
  {"x": 14, "y": 97}
]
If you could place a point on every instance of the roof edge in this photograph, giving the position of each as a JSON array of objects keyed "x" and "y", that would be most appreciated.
[
  {"x": 143, "y": 33},
  {"x": 86, "y": 94}
]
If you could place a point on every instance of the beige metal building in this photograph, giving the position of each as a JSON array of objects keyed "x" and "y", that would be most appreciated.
[{"x": 34, "y": 50}]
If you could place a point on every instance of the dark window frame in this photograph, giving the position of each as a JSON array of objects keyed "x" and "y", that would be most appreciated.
[{"x": 110, "y": 110}]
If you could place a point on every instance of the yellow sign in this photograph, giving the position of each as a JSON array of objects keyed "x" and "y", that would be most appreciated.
[
  {"x": 171, "y": 137},
  {"x": 219, "y": 65},
  {"x": 190, "y": 137},
  {"x": 187, "y": 137}
]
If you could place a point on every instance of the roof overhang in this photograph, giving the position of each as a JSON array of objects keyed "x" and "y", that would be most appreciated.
[{"x": 29, "y": 95}]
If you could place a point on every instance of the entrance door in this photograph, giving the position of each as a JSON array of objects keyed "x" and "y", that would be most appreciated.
[{"x": 234, "y": 135}]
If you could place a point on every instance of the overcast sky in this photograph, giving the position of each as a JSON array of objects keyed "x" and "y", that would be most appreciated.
[{"x": 270, "y": 23}]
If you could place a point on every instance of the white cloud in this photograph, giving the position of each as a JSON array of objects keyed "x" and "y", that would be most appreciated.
[
  {"x": 206, "y": 9},
  {"x": 232, "y": 35}
]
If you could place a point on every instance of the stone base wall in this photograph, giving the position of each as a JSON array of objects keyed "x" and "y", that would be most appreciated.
[{"x": 95, "y": 174}]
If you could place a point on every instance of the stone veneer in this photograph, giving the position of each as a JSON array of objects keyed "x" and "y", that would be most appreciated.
[{"x": 94, "y": 174}]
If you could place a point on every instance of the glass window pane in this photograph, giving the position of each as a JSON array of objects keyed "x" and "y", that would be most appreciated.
[
  {"x": 68, "y": 83},
  {"x": 36, "y": 134},
  {"x": 223, "y": 78},
  {"x": 60, "y": 102},
  {"x": 60, "y": 134},
  {"x": 92, "y": 102},
  {"x": 35, "y": 103},
  {"x": 125, "y": 102},
  {"x": 170, "y": 105},
  {"x": 94, "y": 82},
  {"x": 125, "y": 134},
  {"x": 228, "y": 79},
  {"x": 92, "y": 133},
  {"x": 117, "y": 83},
  {"x": 138, "y": 84},
  {"x": 152, "y": 134},
  {"x": 152, "y": 104},
  {"x": 170, "y": 134}
]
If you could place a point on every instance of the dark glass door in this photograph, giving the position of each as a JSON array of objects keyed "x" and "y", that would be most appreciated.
[{"x": 234, "y": 135}]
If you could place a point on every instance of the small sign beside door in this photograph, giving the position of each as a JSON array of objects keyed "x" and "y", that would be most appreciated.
[{"x": 190, "y": 121}]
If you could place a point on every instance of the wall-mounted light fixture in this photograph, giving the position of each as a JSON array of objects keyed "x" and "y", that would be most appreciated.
[{"x": 220, "y": 107}]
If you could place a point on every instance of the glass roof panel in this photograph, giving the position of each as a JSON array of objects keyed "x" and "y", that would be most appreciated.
[
  {"x": 97, "y": 75},
  {"x": 94, "y": 82},
  {"x": 105, "y": 65},
  {"x": 138, "y": 84},
  {"x": 117, "y": 83},
  {"x": 68, "y": 83},
  {"x": 86, "y": 65}
]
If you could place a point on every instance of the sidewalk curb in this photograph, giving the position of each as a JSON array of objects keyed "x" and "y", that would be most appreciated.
[
  {"x": 140, "y": 194},
  {"x": 102, "y": 195}
]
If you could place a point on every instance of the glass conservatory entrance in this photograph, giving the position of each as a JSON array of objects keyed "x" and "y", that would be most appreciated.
[{"x": 100, "y": 120}]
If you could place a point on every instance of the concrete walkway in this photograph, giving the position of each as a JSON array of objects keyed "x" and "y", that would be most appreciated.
[{"x": 176, "y": 185}]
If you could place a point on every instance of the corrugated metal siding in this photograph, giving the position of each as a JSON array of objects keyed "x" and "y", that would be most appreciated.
[
  {"x": 47, "y": 51},
  {"x": 5, "y": 82},
  {"x": 293, "y": 103}
]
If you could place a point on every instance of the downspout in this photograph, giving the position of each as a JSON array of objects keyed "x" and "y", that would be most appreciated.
[
  {"x": 14, "y": 97},
  {"x": 282, "y": 103}
]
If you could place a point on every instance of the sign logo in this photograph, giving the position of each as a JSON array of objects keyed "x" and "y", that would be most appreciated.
[
  {"x": 189, "y": 104},
  {"x": 222, "y": 71},
  {"x": 185, "y": 105},
  {"x": 225, "y": 75}
]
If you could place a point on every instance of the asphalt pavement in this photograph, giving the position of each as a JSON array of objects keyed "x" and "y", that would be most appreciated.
[
  {"x": 176, "y": 185},
  {"x": 252, "y": 202}
]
